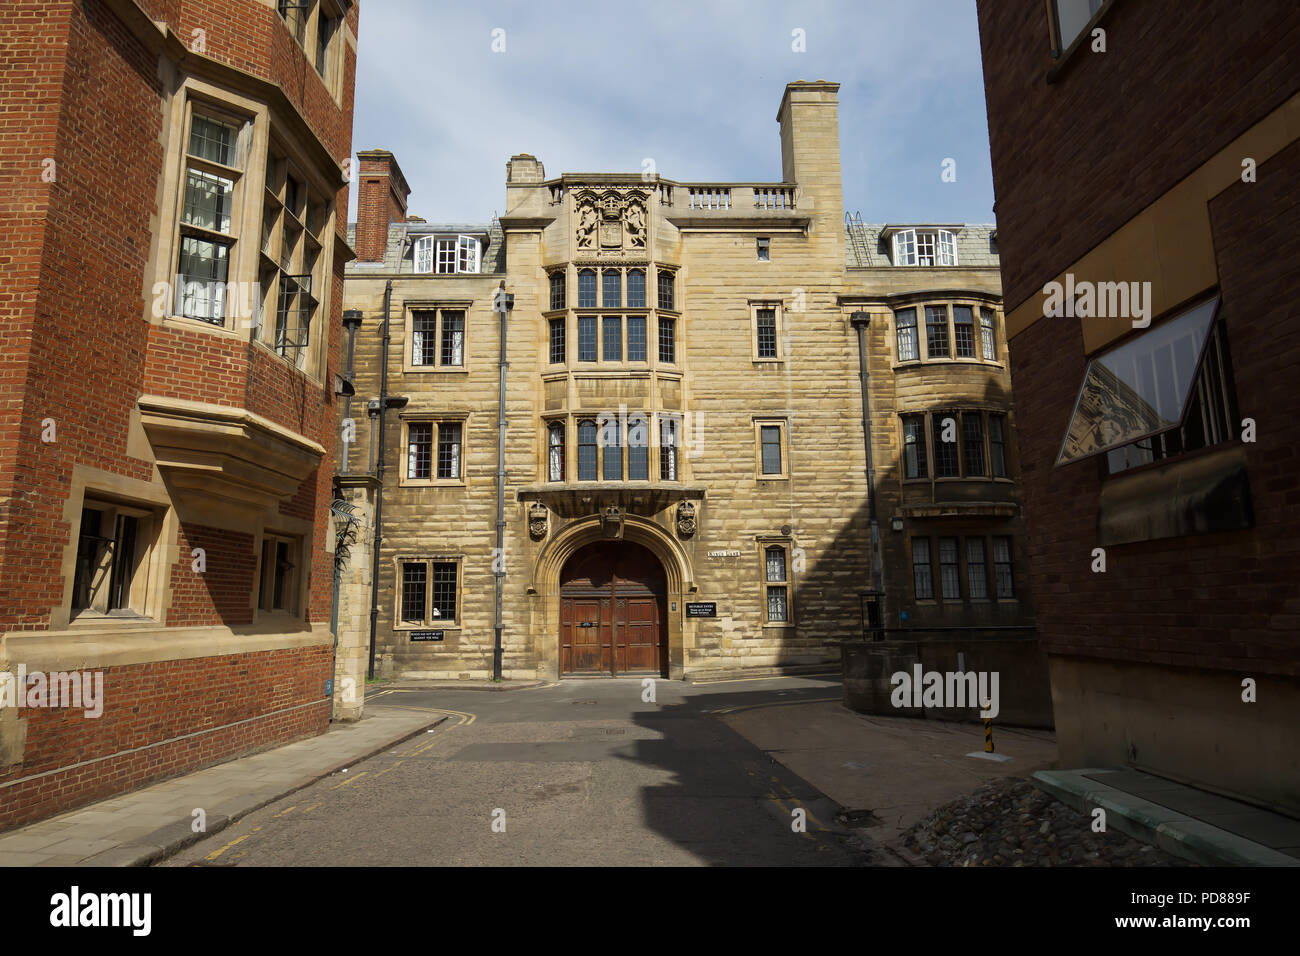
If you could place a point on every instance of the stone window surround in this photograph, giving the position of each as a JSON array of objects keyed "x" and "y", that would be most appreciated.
[
  {"x": 781, "y": 422},
  {"x": 787, "y": 544},
  {"x": 778, "y": 307},
  {"x": 408, "y": 417},
  {"x": 429, "y": 559},
  {"x": 409, "y": 308}
]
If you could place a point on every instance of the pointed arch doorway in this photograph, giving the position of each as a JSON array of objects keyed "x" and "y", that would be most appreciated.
[{"x": 612, "y": 611}]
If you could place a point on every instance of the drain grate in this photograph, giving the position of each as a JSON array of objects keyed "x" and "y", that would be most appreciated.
[
  {"x": 592, "y": 701},
  {"x": 858, "y": 818}
]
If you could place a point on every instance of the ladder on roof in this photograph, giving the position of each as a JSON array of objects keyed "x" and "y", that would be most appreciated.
[{"x": 857, "y": 237}]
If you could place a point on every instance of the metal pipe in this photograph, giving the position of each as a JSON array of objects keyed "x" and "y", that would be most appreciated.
[
  {"x": 378, "y": 422},
  {"x": 502, "y": 305},
  {"x": 860, "y": 321}
]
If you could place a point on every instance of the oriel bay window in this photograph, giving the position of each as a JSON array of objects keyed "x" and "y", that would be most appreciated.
[
  {"x": 946, "y": 459},
  {"x": 611, "y": 296},
  {"x": 670, "y": 429},
  {"x": 638, "y": 449},
  {"x": 667, "y": 291},
  {"x": 922, "y": 573},
  {"x": 951, "y": 333},
  {"x": 587, "y": 289},
  {"x": 905, "y": 334},
  {"x": 610, "y": 447},
  {"x": 586, "y": 338},
  {"x": 636, "y": 289},
  {"x": 914, "y": 463},
  {"x": 612, "y": 335},
  {"x": 667, "y": 340},
  {"x": 557, "y": 352},
  {"x": 430, "y": 593},
  {"x": 434, "y": 451},
  {"x": 936, "y": 331},
  {"x": 964, "y": 559},
  {"x": 949, "y": 569},
  {"x": 214, "y": 160},
  {"x": 988, "y": 334},
  {"x": 295, "y": 227},
  {"x": 972, "y": 430},
  {"x": 963, "y": 329},
  {"x": 555, "y": 451},
  {"x": 557, "y": 290},
  {"x": 636, "y": 350},
  {"x": 965, "y": 444},
  {"x": 977, "y": 576}
]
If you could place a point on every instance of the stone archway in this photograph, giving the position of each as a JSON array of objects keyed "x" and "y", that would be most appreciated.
[{"x": 677, "y": 582}]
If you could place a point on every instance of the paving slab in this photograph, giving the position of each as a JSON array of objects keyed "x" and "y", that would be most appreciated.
[
  {"x": 900, "y": 768},
  {"x": 139, "y": 828},
  {"x": 1203, "y": 827}
]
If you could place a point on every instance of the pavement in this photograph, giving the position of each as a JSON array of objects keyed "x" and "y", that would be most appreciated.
[
  {"x": 607, "y": 771},
  {"x": 1203, "y": 827},
  {"x": 889, "y": 772},
  {"x": 140, "y": 827}
]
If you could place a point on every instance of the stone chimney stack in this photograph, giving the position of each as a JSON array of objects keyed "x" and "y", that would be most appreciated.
[{"x": 382, "y": 193}]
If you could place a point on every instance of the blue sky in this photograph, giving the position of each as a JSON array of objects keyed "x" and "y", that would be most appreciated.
[{"x": 599, "y": 86}]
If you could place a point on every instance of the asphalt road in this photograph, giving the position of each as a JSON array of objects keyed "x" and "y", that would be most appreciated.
[{"x": 584, "y": 772}]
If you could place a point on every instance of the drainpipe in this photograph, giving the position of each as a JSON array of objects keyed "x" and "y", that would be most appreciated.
[
  {"x": 376, "y": 411},
  {"x": 860, "y": 321},
  {"x": 502, "y": 304}
]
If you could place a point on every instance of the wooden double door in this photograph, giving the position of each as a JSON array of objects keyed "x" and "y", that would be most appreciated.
[{"x": 611, "y": 611}]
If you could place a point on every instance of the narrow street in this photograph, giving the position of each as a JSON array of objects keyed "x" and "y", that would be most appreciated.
[{"x": 580, "y": 773}]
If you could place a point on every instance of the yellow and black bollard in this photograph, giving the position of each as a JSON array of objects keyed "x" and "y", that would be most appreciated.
[{"x": 988, "y": 729}]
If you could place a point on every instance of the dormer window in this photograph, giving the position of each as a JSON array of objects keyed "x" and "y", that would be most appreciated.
[
  {"x": 447, "y": 255},
  {"x": 925, "y": 247}
]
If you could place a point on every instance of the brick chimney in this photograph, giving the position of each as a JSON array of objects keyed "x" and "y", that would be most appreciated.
[{"x": 381, "y": 199}]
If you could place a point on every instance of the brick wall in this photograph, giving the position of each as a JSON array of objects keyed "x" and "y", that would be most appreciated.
[
  {"x": 1213, "y": 601},
  {"x": 77, "y": 347},
  {"x": 222, "y": 593},
  {"x": 164, "y": 719},
  {"x": 1124, "y": 125}
]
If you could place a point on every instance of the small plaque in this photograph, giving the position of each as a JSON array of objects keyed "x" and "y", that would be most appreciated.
[
  {"x": 701, "y": 609},
  {"x": 426, "y": 635}
]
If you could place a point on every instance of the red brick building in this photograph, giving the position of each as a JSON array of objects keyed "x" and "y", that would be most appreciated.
[
  {"x": 1156, "y": 145},
  {"x": 173, "y": 197}
]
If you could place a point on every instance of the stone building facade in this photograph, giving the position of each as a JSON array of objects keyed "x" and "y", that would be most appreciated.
[
  {"x": 685, "y": 487},
  {"x": 1158, "y": 447},
  {"x": 176, "y": 186}
]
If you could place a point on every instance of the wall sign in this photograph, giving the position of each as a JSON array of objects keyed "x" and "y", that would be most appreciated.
[
  {"x": 426, "y": 635},
  {"x": 701, "y": 609},
  {"x": 724, "y": 554}
]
